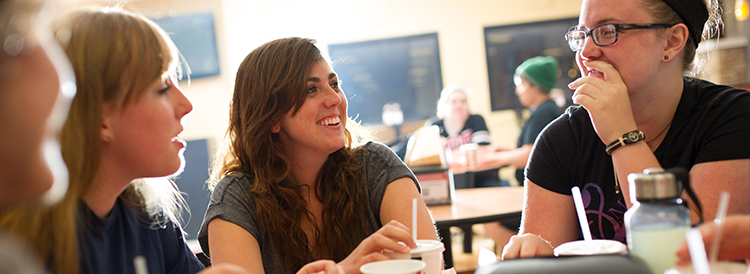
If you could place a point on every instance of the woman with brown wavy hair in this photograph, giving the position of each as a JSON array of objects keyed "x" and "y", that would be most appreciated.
[{"x": 296, "y": 179}]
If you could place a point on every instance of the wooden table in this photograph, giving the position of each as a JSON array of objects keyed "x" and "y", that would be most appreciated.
[{"x": 476, "y": 206}]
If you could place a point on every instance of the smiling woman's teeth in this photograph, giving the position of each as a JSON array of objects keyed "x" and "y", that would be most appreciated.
[{"x": 330, "y": 121}]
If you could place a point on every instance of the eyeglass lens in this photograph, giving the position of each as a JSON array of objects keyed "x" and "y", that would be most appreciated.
[{"x": 602, "y": 35}]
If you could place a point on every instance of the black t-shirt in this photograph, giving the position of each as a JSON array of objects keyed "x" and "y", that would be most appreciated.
[
  {"x": 712, "y": 123},
  {"x": 539, "y": 118},
  {"x": 474, "y": 131}
]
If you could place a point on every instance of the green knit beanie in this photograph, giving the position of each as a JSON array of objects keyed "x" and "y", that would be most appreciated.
[{"x": 540, "y": 71}]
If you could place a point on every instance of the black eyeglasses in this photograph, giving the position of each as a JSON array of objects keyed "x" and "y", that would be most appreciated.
[{"x": 604, "y": 34}]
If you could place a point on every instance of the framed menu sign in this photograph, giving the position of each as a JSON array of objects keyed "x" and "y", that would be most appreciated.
[
  {"x": 508, "y": 46},
  {"x": 376, "y": 73},
  {"x": 194, "y": 36}
]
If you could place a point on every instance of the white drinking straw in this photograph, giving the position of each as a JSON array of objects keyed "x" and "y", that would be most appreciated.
[
  {"x": 581, "y": 213},
  {"x": 139, "y": 263},
  {"x": 721, "y": 214},
  {"x": 414, "y": 219},
  {"x": 697, "y": 251}
]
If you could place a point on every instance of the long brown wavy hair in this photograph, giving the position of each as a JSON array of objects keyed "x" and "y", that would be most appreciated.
[
  {"x": 103, "y": 44},
  {"x": 270, "y": 82}
]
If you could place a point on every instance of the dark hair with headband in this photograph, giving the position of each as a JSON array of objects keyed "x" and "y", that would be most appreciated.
[
  {"x": 702, "y": 19},
  {"x": 693, "y": 13}
]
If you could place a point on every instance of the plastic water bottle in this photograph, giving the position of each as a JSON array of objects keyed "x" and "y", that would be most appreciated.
[{"x": 656, "y": 224}]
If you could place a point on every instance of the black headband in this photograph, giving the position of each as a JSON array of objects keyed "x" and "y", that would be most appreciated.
[{"x": 693, "y": 13}]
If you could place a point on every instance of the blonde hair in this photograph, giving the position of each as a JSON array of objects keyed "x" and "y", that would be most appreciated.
[
  {"x": 442, "y": 105},
  {"x": 115, "y": 54}
]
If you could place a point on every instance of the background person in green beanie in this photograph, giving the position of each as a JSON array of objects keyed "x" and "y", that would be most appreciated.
[{"x": 534, "y": 80}]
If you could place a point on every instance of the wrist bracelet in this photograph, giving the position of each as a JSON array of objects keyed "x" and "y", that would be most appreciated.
[{"x": 627, "y": 138}]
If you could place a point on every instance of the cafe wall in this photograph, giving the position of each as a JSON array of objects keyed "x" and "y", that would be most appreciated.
[{"x": 242, "y": 25}]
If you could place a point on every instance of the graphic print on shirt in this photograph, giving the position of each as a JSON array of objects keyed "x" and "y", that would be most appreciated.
[
  {"x": 603, "y": 225},
  {"x": 453, "y": 142}
]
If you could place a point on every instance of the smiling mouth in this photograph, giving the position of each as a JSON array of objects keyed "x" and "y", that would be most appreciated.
[
  {"x": 330, "y": 121},
  {"x": 595, "y": 72}
]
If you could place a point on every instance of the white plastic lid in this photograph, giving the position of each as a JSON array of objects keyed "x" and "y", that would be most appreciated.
[
  {"x": 393, "y": 267},
  {"x": 597, "y": 246},
  {"x": 426, "y": 246}
]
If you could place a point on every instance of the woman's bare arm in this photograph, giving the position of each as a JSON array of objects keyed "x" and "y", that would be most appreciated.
[
  {"x": 230, "y": 243},
  {"x": 548, "y": 220}
]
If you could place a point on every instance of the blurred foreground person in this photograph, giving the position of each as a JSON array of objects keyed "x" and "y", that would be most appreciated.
[
  {"x": 36, "y": 87},
  {"x": 122, "y": 126}
]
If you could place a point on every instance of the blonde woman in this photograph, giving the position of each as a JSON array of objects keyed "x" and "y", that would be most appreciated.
[{"x": 122, "y": 126}]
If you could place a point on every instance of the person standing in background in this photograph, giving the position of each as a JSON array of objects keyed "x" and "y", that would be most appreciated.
[{"x": 534, "y": 80}]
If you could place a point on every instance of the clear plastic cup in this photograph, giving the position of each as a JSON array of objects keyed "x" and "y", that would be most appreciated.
[
  {"x": 592, "y": 247},
  {"x": 393, "y": 267},
  {"x": 470, "y": 150}
]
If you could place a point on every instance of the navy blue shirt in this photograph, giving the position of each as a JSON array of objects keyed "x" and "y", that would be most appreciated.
[{"x": 109, "y": 245}]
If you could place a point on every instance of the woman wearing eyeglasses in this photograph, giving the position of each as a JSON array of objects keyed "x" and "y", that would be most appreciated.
[{"x": 636, "y": 110}]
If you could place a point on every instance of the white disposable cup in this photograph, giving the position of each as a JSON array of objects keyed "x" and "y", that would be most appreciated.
[
  {"x": 716, "y": 268},
  {"x": 592, "y": 247},
  {"x": 470, "y": 150},
  {"x": 428, "y": 251},
  {"x": 393, "y": 267}
]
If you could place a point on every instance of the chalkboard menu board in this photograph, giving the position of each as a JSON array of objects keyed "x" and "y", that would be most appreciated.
[
  {"x": 404, "y": 70},
  {"x": 194, "y": 36},
  {"x": 508, "y": 46}
]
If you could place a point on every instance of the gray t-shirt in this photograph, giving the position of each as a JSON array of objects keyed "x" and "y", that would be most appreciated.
[{"x": 232, "y": 201}]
